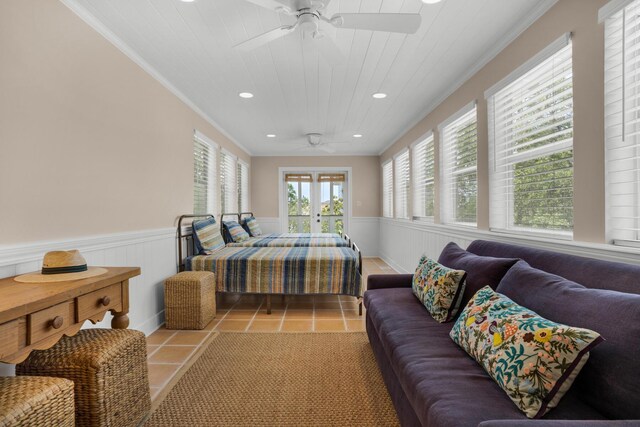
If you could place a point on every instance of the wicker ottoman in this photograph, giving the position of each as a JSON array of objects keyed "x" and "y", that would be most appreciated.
[
  {"x": 36, "y": 401},
  {"x": 189, "y": 300},
  {"x": 109, "y": 370}
]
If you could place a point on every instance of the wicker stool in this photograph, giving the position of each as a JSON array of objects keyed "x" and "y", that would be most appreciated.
[
  {"x": 109, "y": 370},
  {"x": 189, "y": 300},
  {"x": 36, "y": 401}
]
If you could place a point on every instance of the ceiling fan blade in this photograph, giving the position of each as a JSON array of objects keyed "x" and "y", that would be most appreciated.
[
  {"x": 391, "y": 22},
  {"x": 271, "y": 4},
  {"x": 264, "y": 38},
  {"x": 329, "y": 50}
]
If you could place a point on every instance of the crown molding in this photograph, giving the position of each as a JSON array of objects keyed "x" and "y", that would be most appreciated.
[
  {"x": 541, "y": 8},
  {"x": 110, "y": 36}
]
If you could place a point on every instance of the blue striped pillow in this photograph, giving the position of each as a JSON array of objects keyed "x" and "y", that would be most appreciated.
[
  {"x": 238, "y": 234},
  {"x": 206, "y": 236},
  {"x": 254, "y": 227}
]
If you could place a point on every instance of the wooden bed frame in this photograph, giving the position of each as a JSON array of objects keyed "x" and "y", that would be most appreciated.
[{"x": 185, "y": 236}]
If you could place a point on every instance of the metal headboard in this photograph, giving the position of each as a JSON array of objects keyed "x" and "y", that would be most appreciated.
[{"x": 183, "y": 237}]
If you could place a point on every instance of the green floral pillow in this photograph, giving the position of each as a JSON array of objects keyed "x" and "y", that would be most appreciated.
[
  {"x": 439, "y": 288},
  {"x": 534, "y": 360}
]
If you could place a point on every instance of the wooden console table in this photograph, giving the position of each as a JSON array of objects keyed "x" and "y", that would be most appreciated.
[{"x": 34, "y": 316}]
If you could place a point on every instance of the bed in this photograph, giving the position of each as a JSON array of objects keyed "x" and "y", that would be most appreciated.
[{"x": 278, "y": 270}]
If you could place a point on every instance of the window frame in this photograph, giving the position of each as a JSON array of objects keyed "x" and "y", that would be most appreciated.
[
  {"x": 387, "y": 200},
  {"x": 427, "y": 139},
  {"x": 396, "y": 185}
]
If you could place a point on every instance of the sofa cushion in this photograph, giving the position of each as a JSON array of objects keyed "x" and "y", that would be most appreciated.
[
  {"x": 610, "y": 381},
  {"x": 438, "y": 288},
  {"x": 533, "y": 359},
  {"x": 481, "y": 270},
  {"x": 444, "y": 385}
]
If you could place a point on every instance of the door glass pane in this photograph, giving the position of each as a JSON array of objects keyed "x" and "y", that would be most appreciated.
[
  {"x": 332, "y": 207},
  {"x": 299, "y": 206}
]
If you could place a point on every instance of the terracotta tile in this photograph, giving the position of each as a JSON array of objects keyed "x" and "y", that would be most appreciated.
[
  {"x": 151, "y": 349},
  {"x": 327, "y": 305},
  {"x": 297, "y": 325},
  {"x": 160, "y": 374},
  {"x": 300, "y": 305},
  {"x": 349, "y": 305},
  {"x": 355, "y": 325},
  {"x": 172, "y": 354},
  {"x": 352, "y": 314},
  {"x": 187, "y": 338},
  {"x": 160, "y": 336},
  {"x": 326, "y": 298},
  {"x": 329, "y": 325},
  {"x": 329, "y": 314},
  {"x": 265, "y": 326},
  {"x": 233, "y": 325},
  {"x": 275, "y": 314},
  {"x": 247, "y": 306},
  {"x": 212, "y": 324},
  {"x": 298, "y": 315},
  {"x": 240, "y": 314}
]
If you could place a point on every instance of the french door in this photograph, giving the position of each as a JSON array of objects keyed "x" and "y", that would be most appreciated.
[{"x": 315, "y": 201}]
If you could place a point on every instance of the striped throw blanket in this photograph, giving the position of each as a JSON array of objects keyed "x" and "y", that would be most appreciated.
[
  {"x": 265, "y": 242},
  {"x": 304, "y": 270}
]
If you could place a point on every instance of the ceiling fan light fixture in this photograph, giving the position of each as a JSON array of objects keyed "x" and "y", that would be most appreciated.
[
  {"x": 245, "y": 95},
  {"x": 379, "y": 95}
]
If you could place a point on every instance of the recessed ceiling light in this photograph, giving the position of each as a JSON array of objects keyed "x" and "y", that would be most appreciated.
[
  {"x": 430, "y": 1},
  {"x": 188, "y": 1},
  {"x": 379, "y": 95},
  {"x": 357, "y": 135},
  {"x": 271, "y": 135},
  {"x": 245, "y": 95}
]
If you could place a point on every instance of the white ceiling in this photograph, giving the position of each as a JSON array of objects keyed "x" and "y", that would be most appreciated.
[{"x": 189, "y": 47}]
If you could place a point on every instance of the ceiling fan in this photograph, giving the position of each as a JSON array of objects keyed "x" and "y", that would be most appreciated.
[
  {"x": 310, "y": 18},
  {"x": 314, "y": 142}
]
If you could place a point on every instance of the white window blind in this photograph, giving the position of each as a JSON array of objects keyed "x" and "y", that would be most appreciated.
[
  {"x": 205, "y": 162},
  {"x": 228, "y": 183},
  {"x": 622, "y": 124},
  {"x": 243, "y": 186},
  {"x": 401, "y": 185},
  {"x": 422, "y": 178},
  {"x": 531, "y": 146},
  {"x": 459, "y": 184},
  {"x": 387, "y": 189}
]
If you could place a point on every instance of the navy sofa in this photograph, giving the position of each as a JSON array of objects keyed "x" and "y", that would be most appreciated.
[{"x": 433, "y": 382}]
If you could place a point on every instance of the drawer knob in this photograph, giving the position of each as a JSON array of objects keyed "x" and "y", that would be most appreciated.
[
  {"x": 56, "y": 322},
  {"x": 105, "y": 301}
]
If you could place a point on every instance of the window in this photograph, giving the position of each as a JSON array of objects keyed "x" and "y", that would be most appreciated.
[
  {"x": 243, "y": 186},
  {"x": 228, "y": 183},
  {"x": 387, "y": 189},
  {"x": 531, "y": 145},
  {"x": 423, "y": 174},
  {"x": 205, "y": 162},
  {"x": 459, "y": 182},
  {"x": 622, "y": 122},
  {"x": 401, "y": 185}
]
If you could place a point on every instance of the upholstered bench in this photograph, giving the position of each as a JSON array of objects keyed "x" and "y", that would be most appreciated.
[
  {"x": 189, "y": 300},
  {"x": 36, "y": 401},
  {"x": 109, "y": 370}
]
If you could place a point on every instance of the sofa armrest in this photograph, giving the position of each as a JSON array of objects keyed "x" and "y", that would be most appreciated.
[
  {"x": 560, "y": 423},
  {"x": 383, "y": 281}
]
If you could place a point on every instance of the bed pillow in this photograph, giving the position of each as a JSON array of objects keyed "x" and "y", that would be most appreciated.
[
  {"x": 481, "y": 270},
  {"x": 206, "y": 236},
  {"x": 237, "y": 233},
  {"x": 438, "y": 288},
  {"x": 534, "y": 360},
  {"x": 253, "y": 226}
]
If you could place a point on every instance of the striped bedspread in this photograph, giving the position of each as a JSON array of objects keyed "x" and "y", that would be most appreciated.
[
  {"x": 265, "y": 242},
  {"x": 299, "y": 235},
  {"x": 303, "y": 270}
]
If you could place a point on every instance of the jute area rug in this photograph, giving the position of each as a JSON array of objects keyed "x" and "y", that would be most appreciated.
[{"x": 281, "y": 379}]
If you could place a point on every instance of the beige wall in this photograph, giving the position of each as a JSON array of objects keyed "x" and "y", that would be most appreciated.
[
  {"x": 580, "y": 18},
  {"x": 89, "y": 142},
  {"x": 365, "y": 184}
]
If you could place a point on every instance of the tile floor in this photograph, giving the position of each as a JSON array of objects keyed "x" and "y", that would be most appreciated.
[{"x": 168, "y": 350}]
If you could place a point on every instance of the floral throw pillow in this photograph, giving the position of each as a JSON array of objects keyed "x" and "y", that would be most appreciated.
[
  {"x": 438, "y": 288},
  {"x": 534, "y": 360}
]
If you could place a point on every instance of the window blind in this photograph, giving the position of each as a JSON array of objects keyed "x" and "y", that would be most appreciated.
[
  {"x": 243, "y": 187},
  {"x": 204, "y": 175},
  {"x": 459, "y": 167},
  {"x": 387, "y": 189},
  {"x": 228, "y": 183},
  {"x": 622, "y": 124},
  {"x": 401, "y": 185},
  {"x": 423, "y": 175},
  {"x": 331, "y": 177},
  {"x": 531, "y": 148}
]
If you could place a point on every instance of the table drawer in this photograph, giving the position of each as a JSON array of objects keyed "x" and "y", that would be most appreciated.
[
  {"x": 99, "y": 301},
  {"x": 9, "y": 338},
  {"x": 49, "y": 321}
]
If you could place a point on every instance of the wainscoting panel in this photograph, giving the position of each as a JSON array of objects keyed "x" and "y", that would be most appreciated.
[{"x": 269, "y": 224}]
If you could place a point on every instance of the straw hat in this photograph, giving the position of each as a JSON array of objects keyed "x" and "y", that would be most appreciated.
[{"x": 60, "y": 266}]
